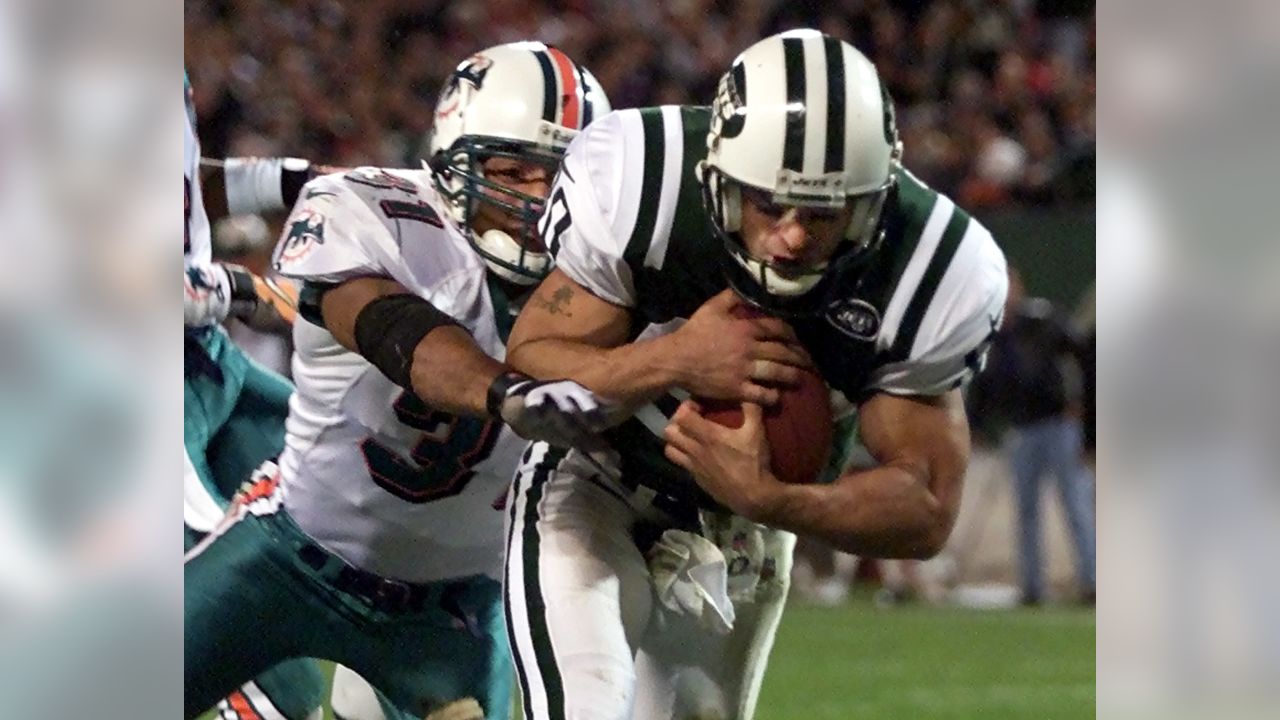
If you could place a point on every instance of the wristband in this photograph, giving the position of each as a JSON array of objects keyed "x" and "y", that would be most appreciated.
[
  {"x": 257, "y": 184},
  {"x": 498, "y": 390}
]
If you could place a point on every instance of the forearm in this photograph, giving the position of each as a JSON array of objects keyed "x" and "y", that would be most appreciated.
[
  {"x": 630, "y": 374},
  {"x": 242, "y": 186},
  {"x": 451, "y": 373},
  {"x": 887, "y": 512}
]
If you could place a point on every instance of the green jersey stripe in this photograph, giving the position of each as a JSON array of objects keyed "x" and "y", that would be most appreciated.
[
  {"x": 650, "y": 188},
  {"x": 900, "y": 241},
  {"x": 690, "y": 215},
  {"x": 928, "y": 286},
  {"x": 916, "y": 203}
]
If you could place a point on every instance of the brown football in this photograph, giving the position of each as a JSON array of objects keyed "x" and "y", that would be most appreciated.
[{"x": 799, "y": 427}]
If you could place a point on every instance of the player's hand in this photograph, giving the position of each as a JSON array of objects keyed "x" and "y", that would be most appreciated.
[
  {"x": 560, "y": 412},
  {"x": 731, "y": 464},
  {"x": 726, "y": 356},
  {"x": 261, "y": 303}
]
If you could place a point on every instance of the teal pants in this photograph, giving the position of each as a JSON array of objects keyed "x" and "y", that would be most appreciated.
[
  {"x": 254, "y": 596},
  {"x": 233, "y": 419}
]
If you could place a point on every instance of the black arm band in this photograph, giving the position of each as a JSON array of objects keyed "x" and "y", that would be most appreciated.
[
  {"x": 389, "y": 328},
  {"x": 498, "y": 391}
]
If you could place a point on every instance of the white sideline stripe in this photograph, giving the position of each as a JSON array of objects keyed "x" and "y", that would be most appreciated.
[
  {"x": 261, "y": 702},
  {"x": 537, "y": 692}
]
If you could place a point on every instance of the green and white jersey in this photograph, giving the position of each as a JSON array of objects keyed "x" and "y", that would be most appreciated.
[{"x": 625, "y": 220}]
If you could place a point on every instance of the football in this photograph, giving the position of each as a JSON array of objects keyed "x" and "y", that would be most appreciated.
[{"x": 799, "y": 427}]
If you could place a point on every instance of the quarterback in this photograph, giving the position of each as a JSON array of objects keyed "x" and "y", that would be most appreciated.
[
  {"x": 648, "y": 581},
  {"x": 375, "y": 540}
]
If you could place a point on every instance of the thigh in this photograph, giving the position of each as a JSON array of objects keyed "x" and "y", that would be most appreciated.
[
  {"x": 425, "y": 661},
  {"x": 577, "y": 592},
  {"x": 233, "y": 624}
]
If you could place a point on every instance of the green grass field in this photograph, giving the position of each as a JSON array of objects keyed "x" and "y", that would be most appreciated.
[{"x": 856, "y": 662}]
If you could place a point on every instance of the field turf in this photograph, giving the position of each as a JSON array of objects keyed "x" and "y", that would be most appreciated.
[{"x": 856, "y": 662}]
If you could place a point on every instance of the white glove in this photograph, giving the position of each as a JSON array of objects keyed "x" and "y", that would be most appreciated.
[
  {"x": 690, "y": 578},
  {"x": 742, "y": 543},
  {"x": 213, "y": 293},
  {"x": 560, "y": 412},
  {"x": 206, "y": 297}
]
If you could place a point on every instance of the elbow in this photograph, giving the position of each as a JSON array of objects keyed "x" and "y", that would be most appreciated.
[
  {"x": 518, "y": 357},
  {"x": 929, "y": 543}
]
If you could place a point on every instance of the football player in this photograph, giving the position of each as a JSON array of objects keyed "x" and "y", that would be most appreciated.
[
  {"x": 647, "y": 582},
  {"x": 376, "y": 541},
  {"x": 233, "y": 408}
]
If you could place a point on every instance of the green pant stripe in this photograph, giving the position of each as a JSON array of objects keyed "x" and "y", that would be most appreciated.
[{"x": 537, "y": 609}]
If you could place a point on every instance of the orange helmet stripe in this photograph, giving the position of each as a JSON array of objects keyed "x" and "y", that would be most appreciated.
[{"x": 570, "y": 93}]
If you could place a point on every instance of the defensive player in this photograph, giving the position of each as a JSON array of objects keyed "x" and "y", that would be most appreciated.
[
  {"x": 376, "y": 540},
  {"x": 648, "y": 582}
]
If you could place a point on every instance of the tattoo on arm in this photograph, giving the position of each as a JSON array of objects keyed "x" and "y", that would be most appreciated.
[{"x": 558, "y": 304}]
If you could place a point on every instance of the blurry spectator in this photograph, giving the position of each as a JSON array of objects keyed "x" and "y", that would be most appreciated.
[
  {"x": 1004, "y": 87},
  {"x": 1086, "y": 323},
  {"x": 1032, "y": 381},
  {"x": 998, "y": 168}
]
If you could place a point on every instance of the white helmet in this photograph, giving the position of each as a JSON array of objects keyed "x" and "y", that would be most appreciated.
[
  {"x": 522, "y": 100},
  {"x": 803, "y": 118}
]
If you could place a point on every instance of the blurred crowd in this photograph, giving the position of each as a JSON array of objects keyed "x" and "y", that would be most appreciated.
[{"x": 996, "y": 97}]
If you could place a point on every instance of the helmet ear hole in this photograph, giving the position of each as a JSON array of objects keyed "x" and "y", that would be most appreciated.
[
  {"x": 731, "y": 197},
  {"x": 438, "y": 163}
]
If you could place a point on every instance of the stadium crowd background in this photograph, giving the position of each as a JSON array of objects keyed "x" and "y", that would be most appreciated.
[{"x": 996, "y": 97}]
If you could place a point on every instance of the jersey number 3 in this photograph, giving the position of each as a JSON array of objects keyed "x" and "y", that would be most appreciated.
[{"x": 441, "y": 462}]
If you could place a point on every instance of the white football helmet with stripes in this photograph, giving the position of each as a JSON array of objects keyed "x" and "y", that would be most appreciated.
[
  {"x": 522, "y": 100},
  {"x": 803, "y": 118}
]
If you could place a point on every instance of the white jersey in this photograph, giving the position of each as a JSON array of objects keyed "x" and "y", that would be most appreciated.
[
  {"x": 369, "y": 472},
  {"x": 197, "y": 244}
]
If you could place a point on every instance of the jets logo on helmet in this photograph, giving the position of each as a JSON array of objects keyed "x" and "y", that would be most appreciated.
[
  {"x": 726, "y": 120},
  {"x": 523, "y": 101},
  {"x": 801, "y": 119}
]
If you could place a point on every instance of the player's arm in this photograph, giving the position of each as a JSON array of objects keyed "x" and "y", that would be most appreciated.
[
  {"x": 212, "y": 294},
  {"x": 412, "y": 342},
  {"x": 913, "y": 425},
  {"x": 424, "y": 350},
  {"x": 248, "y": 185},
  {"x": 904, "y": 507},
  {"x": 566, "y": 331}
]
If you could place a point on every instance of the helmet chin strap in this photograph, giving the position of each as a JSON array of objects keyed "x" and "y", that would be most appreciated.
[{"x": 496, "y": 245}]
